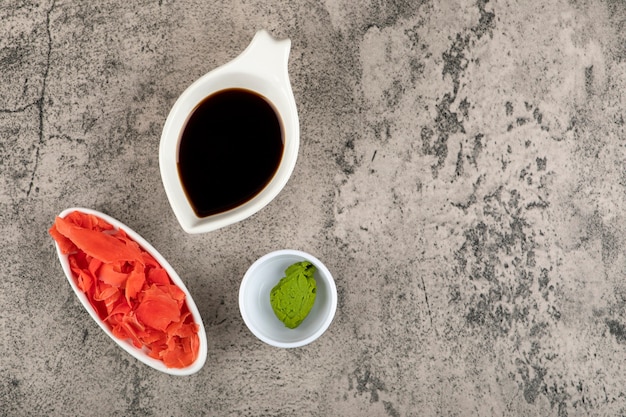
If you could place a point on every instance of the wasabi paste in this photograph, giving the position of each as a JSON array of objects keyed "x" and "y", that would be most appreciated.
[{"x": 294, "y": 295}]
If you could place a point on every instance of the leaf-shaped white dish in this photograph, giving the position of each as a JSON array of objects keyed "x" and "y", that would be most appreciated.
[
  {"x": 127, "y": 345},
  {"x": 262, "y": 68}
]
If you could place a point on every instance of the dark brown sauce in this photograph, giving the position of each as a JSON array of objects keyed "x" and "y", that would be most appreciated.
[{"x": 229, "y": 150}]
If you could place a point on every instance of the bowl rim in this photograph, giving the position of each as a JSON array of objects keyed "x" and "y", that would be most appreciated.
[
  {"x": 324, "y": 273},
  {"x": 138, "y": 353}
]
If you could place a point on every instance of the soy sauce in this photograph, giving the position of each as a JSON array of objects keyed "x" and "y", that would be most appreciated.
[{"x": 229, "y": 150}]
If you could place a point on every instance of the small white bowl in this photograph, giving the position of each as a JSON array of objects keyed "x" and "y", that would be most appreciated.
[
  {"x": 256, "y": 310},
  {"x": 127, "y": 345}
]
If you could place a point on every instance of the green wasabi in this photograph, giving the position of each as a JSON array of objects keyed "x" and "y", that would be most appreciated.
[{"x": 294, "y": 295}]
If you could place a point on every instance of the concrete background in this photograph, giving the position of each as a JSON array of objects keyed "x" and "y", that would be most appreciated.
[{"x": 461, "y": 173}]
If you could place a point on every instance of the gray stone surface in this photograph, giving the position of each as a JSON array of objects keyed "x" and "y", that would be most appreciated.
[{"x": 461, "y": 173}]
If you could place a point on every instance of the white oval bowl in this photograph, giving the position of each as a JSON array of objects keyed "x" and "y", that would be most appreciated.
[
  {"x": 127, "y": 345},
  {"x": 256, "y": 309}
]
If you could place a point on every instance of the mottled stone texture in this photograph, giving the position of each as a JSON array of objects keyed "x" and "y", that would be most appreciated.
[{"x": 461, "y": 173}]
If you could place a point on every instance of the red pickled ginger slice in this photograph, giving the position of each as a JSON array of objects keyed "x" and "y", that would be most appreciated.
[
  {"x": 110, "y": 274},
  {"x": 157, "y": 308},
  {"x": 135, "y": 282},
  {"x": 99, "y": 245}
]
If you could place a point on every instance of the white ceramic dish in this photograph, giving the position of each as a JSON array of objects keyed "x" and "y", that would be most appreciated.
[
  {"x": 127, "y": 345},
  {"x": 262, "y": 68},
  {"x": 256, "y": 310}
]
